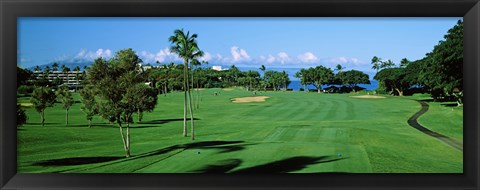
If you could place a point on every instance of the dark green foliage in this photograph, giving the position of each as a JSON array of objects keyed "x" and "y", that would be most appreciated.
[
  {"x": 115, "y": 81},
  {"x": 65, "y": 97},
  {"x": 90, "y": 106},
  {"x": 42, "y": 97},
  {"x": 23, "y": 76},
  {"x": 21, "y": 116},
  {"x": 352, "y": 78},
  {"x": 319, "y": 76},
  {"x": 442, "y": 69}
]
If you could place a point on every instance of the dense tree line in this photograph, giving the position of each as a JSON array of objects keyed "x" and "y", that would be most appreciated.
[
  {"x": 439, "y": 73},
  {"x": 320, "y": 75}
]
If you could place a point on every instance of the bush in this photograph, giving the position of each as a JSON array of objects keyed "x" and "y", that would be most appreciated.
[
  {"x": 23, "y": 89},
  {"x": 381, "y": 90},
  {"x": 21, "y": 116}
]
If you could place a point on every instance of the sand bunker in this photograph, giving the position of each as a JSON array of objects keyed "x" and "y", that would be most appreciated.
[
  {"x": 228, "y": 89},
  {"x": 250, "y": 99},
  {"x": 25, "y": 104},
  {"x": 367, "y": 96}
]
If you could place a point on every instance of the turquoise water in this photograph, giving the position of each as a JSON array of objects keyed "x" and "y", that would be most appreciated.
[{"x": 295, "y": 85}]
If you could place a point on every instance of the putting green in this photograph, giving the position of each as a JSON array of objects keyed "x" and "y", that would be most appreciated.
[{"x": 294, "y": 132}]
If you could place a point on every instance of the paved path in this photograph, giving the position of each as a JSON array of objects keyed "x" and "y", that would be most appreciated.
[{"x": 447, "y": 140}]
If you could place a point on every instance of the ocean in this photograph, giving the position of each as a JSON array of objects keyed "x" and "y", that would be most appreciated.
[{"x": 295, "y": 85}]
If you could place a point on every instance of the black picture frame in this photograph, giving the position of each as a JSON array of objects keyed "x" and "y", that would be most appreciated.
[{"x": 10, "y": 10}]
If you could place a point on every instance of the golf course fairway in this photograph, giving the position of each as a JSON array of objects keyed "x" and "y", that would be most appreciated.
[{"x": 295, "y": 132}]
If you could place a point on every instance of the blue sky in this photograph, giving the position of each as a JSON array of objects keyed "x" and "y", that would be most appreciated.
[{"x": 245, "y": 42}]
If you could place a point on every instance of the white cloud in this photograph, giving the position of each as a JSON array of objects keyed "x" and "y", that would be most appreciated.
[
  {"x": 239, "y": 54},
  {"x": 283, "y": 57},
  {"x": 307, "y": 57},
  {"x": 102, "y": 53},
  {"x": 206, "y": 57},
  {"x": 346, "y": 60},
  {"x": 162, "y": 56}
]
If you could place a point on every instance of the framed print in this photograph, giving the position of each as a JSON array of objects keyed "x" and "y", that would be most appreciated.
[{"x": 233, "y": 94}]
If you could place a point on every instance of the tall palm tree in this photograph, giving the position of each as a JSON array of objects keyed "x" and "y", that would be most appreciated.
[
  {"x": 376, "y": 63},
  {"x": 65, "y": 71},
  {"x": 76, "y": 69},
  {"x": 46, "y": 70},
  {"x": 186, "y": 47},
  {"x": 263, "y": 68},
  {"x": 55, "y": 69}
]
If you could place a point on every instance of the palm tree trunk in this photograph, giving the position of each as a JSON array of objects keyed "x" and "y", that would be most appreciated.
[
  {"x": 89, "y": 123},
  {"x": 198, "y": 95},
  {"x": 190, "y": 106},
  {"x": 185, "y": 81},
  {"x": 192, "y": 85}
]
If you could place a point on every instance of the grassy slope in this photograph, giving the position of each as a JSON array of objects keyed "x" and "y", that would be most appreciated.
[{"x": 290, "y": 132}]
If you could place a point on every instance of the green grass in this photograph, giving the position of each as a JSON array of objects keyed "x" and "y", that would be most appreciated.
[{"x": 289, "y": 132}]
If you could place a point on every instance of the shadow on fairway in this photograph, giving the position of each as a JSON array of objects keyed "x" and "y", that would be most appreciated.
[
  {"x": 223, "y": 146},
  {"x": 222, "y": 167},
  {"x": 282, "y": 166},
  {"x": 289, "y": 165},
  {"x": 76, "y": 161},
  {"x": 162, "y": 121}
]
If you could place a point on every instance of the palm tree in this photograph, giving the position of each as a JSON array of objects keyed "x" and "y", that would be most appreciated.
[
  {"x": 46, "y": 70},
  {"x": 76, "y": 69},
  {"x": 339, "y": 68},
  {"x": 55, "y": 69},
  {"x": 387, "y": 64},
  {"x": 263, "y": 68},
  {"x": 186, "y": 47},
  {"x": 376, "y": 63},
  {"x": 37, "y": 69},
  {"x": 65, "y": 71},
  {"x": 404, "y": 63}
]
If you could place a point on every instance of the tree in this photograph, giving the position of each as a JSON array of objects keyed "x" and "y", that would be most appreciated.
[
  {"x": 65, "y": 97},
  {"x": 186, "y": 47},
  {"x": 376, "y": 63},
  {"x": 65, "y": 71},
  {"x": 443, "y": 67},
  {"x": 142, "y": 98},
  {"x": 339, "y": 68},
  {"x": 394, "y": 80},
  {"x": 320, "y": 75},
  {"x": 263, "y": 83},
  {"x": 21, "y": 116},
  {"x": 404, "y": 62},
  {"x": 352, "y": 78},
  {"x": 90, "y": 107},
  {"x": 37, "y": 68},
  {"x": 113, "y": 81},
  {"x": 304, "y": 77},
  {"x": 77, "y": 70},
  {"x": 42, "y": 98},
  {"x": 46, "y": 70},
  {"x": 252, "y": 78},
  {"x": 55, "y": 69},
  {"x": 387, "y": 64},
  {"x": 23, "y": 76}
]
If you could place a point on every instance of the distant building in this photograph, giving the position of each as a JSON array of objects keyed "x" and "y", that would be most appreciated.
[{"x": 69, "y": 78}]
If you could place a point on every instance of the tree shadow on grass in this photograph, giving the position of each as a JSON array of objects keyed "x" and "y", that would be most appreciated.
[
  {"x": 222, "y": 167},
  {"x": 282, "y": 166},
  {"x": 76, "y": 161},
  {"x": 163, "y": 121},
  {"x": 223, "y": 146},
  {"x": 289, "y": 165}
]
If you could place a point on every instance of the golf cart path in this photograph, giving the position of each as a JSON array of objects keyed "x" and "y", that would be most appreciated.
[{"x": 412, "y": 121}]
